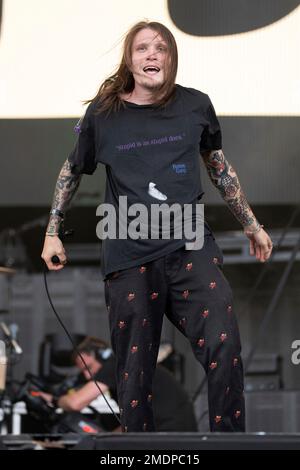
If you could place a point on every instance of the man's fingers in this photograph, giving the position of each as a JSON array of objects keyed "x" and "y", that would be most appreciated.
[
  {"x": 268, "y": 250},
  {"x": 261, "y": 248},
  {"x": 62, "y": 259},
  {"x": 252, "y": 248},
  {"x": 265, "y": 251},
  {"x": 54, "y": 248},
  {"x": 56, "y": 266}
]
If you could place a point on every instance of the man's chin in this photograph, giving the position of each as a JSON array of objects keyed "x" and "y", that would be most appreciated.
[{"x": 152, "y": 86}]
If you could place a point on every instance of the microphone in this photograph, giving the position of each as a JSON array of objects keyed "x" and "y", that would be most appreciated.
[
  {"x": 64, "y": 233},
  {"x": 3, "y": 365},
  {"x": 11, "y": 337}
]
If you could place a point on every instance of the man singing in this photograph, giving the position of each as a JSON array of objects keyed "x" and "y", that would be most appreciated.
[{"x": 149, "y": 131}]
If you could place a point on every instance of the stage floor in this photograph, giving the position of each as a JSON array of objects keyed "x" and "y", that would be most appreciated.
[{"x": 153, "y": 441}]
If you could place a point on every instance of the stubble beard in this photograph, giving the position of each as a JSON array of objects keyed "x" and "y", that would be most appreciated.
[{"x": 151, "y": 85}]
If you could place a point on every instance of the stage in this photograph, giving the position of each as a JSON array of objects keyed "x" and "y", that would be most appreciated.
[{"x": 152, "y": 442}]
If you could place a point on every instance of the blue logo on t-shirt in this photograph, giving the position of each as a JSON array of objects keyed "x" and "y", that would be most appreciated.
[
  {"x": 77, "y": 128},
  {"x": 179, "y": 168}
]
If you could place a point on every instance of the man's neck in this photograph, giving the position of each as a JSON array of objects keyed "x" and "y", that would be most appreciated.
[{"x": 138, "y": 96}]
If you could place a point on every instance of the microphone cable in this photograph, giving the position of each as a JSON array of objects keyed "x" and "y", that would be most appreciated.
[{"x": 55, "y": 259}]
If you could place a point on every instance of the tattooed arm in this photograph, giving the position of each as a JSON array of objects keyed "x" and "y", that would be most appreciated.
[
  {"x": 66, "y": 186},
  {"x": 225, "y": 179}
]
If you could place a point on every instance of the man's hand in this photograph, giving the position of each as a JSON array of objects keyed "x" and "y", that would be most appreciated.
[
  {"x": 260, "y": 245},
  {"x": 53, "y": 246},
  {"x": 45, "y": 396},
  {"x": 66, "y": 186}
]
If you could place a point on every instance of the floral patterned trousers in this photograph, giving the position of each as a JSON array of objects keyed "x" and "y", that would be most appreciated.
[{"x": 189, "y": 287}]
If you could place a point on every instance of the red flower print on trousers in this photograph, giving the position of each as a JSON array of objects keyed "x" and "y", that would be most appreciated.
[
  {"x": 126, "y": 375},
  {"x": 201, "y": 342},
  {"x": 121, "y": 324},
  {"x": 218, "y": 419},
  {"x": 134, "y": 349},
  {"x": 185, "y": 294},
  {"x": 213, "y": 285},
  {"x": 235, "y": 361},
  {"x": 182, "y": 322},
  {"x": 213, "y": 365},
  {"x": 215, "y": 260},
  {"x": 130, "y": 296},
  {"x": 229, "y": 309},
  {"x": 189, "y": 266},
  {"x": 134, "y": 403},
  {"x": 142, "y": 269},
  {"x": 237, "y": 414},
  {"x": 223, "y": 337},
  {"x": 205, "y": 313},
  {"x": 154, "y": 295},
  {"x": 149, "y": 398}
]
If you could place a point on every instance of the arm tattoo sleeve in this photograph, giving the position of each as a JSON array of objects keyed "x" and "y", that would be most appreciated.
[
  {"x": 226, "y": 181},
  {"x": 66, "y": 186}
]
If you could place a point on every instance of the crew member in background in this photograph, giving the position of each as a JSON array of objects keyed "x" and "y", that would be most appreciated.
[{"x": 173, "y": 410}]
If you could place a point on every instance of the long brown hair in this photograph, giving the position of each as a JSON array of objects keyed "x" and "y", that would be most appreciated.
[{"x": 122, "y": 81}]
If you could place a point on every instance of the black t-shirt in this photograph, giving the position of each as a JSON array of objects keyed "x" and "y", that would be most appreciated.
[
  {"x": 172, "y": 408},
  {"x": 152, "y": 157}
]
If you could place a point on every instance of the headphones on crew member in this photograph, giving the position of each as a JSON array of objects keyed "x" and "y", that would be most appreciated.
[
  {"x": 102, "y": 354},
  {"x": 96, "y": 347}
]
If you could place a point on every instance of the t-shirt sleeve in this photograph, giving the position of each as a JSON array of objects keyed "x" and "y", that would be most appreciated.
[
  {"x": 211, "y": 138},
  {"x": 82, "y": 158},
  {"x": 106, "y": 374}
]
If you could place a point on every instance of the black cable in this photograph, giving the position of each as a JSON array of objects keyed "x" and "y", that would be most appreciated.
[{"x": 75, "y": 349}]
